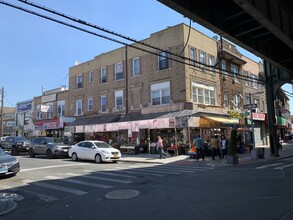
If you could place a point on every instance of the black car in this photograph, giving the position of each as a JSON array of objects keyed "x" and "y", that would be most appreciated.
[
  {"x": 9, "y": 165},
  {"x": 48, "y": 146},
  {"x": 15, "y": 144}
]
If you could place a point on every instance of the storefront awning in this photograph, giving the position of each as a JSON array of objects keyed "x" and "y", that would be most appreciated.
[{"x": 223, "y": 120}]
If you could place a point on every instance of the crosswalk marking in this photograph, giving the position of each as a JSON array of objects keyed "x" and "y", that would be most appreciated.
[
  {"x": 282, "y": 167},
  {"x": 119, "y": 175},
  {"x": 60, "y": 188},
  {"x": 269, "y": 165},
  {"x": 138, "y": 172},
  {"x": 101, "y": 178}
]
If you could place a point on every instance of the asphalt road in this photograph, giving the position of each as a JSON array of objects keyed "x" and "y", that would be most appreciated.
[{"x": 63, "y": 189}]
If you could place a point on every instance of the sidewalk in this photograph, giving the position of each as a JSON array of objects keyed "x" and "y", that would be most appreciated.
[{"x": 245, "y": 158}]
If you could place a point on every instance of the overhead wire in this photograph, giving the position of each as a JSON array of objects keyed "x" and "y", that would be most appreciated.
[{"x": 190, "y": 62}]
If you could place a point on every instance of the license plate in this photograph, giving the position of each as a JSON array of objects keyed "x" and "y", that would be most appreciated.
[
  {"x": 115, "y": 156},
  {"x": 65, "y": 150},
  {"x": 3, "y": 170}
]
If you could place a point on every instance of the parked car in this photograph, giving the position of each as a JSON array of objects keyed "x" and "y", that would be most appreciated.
[
  {"x": 48, "y": 146},
  {"x": 9, "y": 165},
  {"x": 15, "y": 144},
  {"x": 98, "y": 151}
]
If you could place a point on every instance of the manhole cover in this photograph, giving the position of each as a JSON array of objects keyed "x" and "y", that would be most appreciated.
[
  {"x": 11, "y": 196},
  {"x": 122, "y": 194},
  {"x": 6, "y": 206}
]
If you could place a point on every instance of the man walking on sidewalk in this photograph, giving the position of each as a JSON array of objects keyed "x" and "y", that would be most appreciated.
[{"x": 198, "y": 143}]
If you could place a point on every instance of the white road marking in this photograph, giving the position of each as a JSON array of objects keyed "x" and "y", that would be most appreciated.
[
  {"x": 282, "y": 167},
  {"x": 59, "y": 188},
  {"x": 53, "y": 166},
  {"x": 100, "y": 178},
  {"x": 269, "y": 165}
]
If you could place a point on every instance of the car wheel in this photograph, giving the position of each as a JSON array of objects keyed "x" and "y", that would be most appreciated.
[
  {"x": 31, "y": 153},
  {"x": 98, "y": 158},
  {"x": 74, "y": 157},
  {"x": 14, "y": 151},
  {"x": 49, "y": 154}
]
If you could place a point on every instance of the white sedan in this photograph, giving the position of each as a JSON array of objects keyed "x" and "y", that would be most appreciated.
[{"x": 94, "y": 150}]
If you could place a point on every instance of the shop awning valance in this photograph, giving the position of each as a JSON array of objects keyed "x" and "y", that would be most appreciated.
[{"x": 223, "y": 119}]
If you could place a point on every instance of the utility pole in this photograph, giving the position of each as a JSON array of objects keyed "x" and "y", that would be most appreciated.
[
  {"x": 253, "y": 151},
  {"x": 2, "y": 108}
]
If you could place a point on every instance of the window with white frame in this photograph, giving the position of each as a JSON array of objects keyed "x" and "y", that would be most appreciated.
[
  {"x": 163, "y": 60},
  {"x": 103, "y": 78},
  {"x": 119, "y": 100},
  {"x": 226, "y": 100},
  {"x": 103, "y": 103},
  {"x": 235, "y": 72},
  {"x": 212, "y": 64},
  {"x": 245, "y": 75},
  {"x": 49, "y": 113},
  {"x": 78, "y": 107},
  {"x": 78, "y": 82},
  {"x": 136, "y": 66},
  {"x": 38, "y": 112},
  {"x": 90, "y": 76},
  {"x": 90, "y": 104},
  {"x": 236, "y": 101},
  {"x": 224, "y": 68},
  {"x": 247, "y": 99},
  {"x": 160, "y": 93},
  {"x": 193, "y": 57},
  {"x": 119, "y": 71},
  {"x": 61, "y": 108},
  {"x": 254, "y": 84},
  {"x": 202, "y": 59},
  {"x": 203, "y": 94}
]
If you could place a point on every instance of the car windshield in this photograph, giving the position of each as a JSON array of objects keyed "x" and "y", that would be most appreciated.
[
  {"x": 53, "y": 141},
  {"x": 2, "y": 152},
  {"x": 102, "y": 145},
  {"x": 20, "y": 139}
]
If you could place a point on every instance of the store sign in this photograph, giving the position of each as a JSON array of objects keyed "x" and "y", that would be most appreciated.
[
  {"x": 24, "y": 106},
  {"x": 258, "y": 116}
]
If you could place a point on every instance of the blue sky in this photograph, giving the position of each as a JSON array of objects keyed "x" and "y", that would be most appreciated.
[{"x": 37, "y": 53}]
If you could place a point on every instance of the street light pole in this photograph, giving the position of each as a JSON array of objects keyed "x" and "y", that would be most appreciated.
[
  {"x": 2, "y": 113},
  {"x": 253, "y": 152}
]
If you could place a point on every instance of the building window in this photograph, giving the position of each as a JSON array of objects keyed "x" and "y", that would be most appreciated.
[
  {"x": 212, "y": 64},
  {"x": 78, "y": 81},
  {"x": 160, "y": 93},
  {"x": 224, "y": 68},
  {"x": 119, "y": 100},
  {"x": 78, "y": 107},
  {"x": 235, "y": 72},
  {"x": 245, "y": 75},
  {"x": 226, "y": 100},
  {"x": 236, "y": 101},
  {"x": 103, "y": 75},
  {"x": 61, "y": 108},
  {"x": 90, "y": 104},
  {"x": 163, "y": 60},
  {"x": 90, "y": 76},
  {"x": 247, "y": 100},
  {"x": 49, "y": 113},
  {"x": 118, "y": 71},
  {"x": 27, "y": 117},
  {"x": 39, "y": 113},
  {"x": 193, "y": 57},
  {"x": 136, "y": 66},
  {"x": 103, "y": 103},
  {"x": 254, "y": 84},
  {"x": 202, "y": 60},
  {"x": 203, "y": 94}
]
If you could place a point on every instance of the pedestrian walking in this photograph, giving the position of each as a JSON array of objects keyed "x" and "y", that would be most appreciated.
[
  {"x": 215, "y": 147},
  {"x": 160, "y": 146},
  {"x": 224, "y": 146},
  {"x": 199, "y": 147}
]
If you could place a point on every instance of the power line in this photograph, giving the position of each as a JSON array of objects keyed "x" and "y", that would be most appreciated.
[{"x": 190, "y": 62}]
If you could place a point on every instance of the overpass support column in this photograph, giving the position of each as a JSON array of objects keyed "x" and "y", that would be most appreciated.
[{"x": 271, "y": 73}]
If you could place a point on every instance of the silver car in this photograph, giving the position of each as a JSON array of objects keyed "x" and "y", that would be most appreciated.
[
  {"x": 9, "y": 165},
  {"x": 48, "y": 146}
]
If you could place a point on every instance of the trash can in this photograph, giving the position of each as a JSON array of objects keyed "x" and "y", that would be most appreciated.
[
  {"x": 153, "y": 148},
  {"x": 261, "y": 152}
]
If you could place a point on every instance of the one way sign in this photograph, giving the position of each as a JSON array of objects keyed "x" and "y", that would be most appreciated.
[{"x": 248, "y": 106}]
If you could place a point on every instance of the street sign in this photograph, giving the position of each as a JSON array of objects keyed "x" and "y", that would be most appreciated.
[{"x": 248, "y": 106}]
